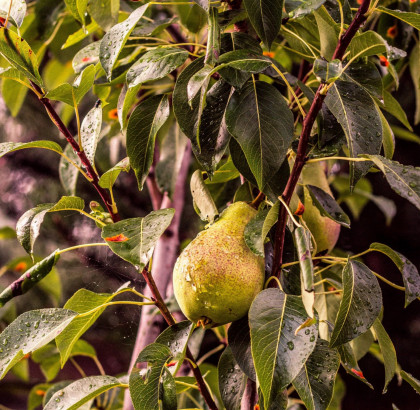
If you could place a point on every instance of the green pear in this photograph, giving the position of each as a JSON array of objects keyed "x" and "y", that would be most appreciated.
[
  {"x": 324, "y": 230},
  {"x": 217, "y": 276}
]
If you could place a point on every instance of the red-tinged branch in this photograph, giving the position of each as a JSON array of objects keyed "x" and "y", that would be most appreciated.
[
  {"x": 90, "y": 171},
  {"x": 308, "y": 123},
  {"x": 160, "y": 304}
]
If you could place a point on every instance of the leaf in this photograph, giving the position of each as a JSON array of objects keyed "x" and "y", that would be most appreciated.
[
  {"x": 204, "y": 4},
  {"x": 36, "y": 395},
  {"x": 265, "y": 17},
  {"x": 104, "y": 12},
  {"x": 240, "y": 344},
  {"x": 302, "y": 7},
  {"x": 155, "y": 64},
  {"x": 203, "y": 201},
  {"x": 77, "y": 9},
  {"x": 388, "y": 352},
  {"x": 409, "y": 272},
  {"x": 232, "y": 381},
  {"x": 113, "y": 41},
  {"x": 29, "y": 224},
  {"x": 363, "y": 128},
  {"x": 328, "y": 32},
  {"x": 403, "y": 179},
  {"x": 86, "y": 56},
  {"x": 17, "y": 11},
  {"x": 328, "y": 71},
  {"x": 315, "y": 382},
  {"x": 327, "y": 206},
  {"x": 388, "y": 139},
  {"x": 18, "y": 53},
  {"x": 143, "y": 125},
  {"x": 260, "y": 120},
  {"x": 90, "y": 131},
  {"x": 209, "y": 126},
  {"x": 81, "y": 391},
  {"x": 213, "y": 37},
  {"x": 81, "y": 34},
  {"x": 415, "y": 76},
  {"x": 360, "y": 305},
  {"x": 30, "y": 331},
  {"x": 227, "y": 172},
  {"x": 13, "y": 93},
  {"x": 126, "y": 101},
  {"x": 68, "y": 172},
  {"x": 141, "y": 236},
  {"x": 155, "y": 388},
  {"x": 411, "y": 380},
  {"x": 73, "y": 94},
  {"x": 367, "y": 75},
  {"x": 108, "y": 178},
  {"x": 253, "y": 233},
  {"x": 391, "y": 105},
  {"x": 278, "y": 353},
  {"x": 6, "y": 147},
  {"x": 29, "y": 279},
  {"x": 171, "y": 151},
  {"x": 303, "y": 246},
  {"x": 413, "y": 19},
  {"x": 81, "y": 302},
  {"x": 245, "y": 60}
]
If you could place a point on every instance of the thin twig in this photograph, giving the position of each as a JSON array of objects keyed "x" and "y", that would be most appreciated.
[{"x": 308, "y": 123}]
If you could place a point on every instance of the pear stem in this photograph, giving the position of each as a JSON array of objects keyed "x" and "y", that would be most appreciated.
[{"x": 308, "y": 123}]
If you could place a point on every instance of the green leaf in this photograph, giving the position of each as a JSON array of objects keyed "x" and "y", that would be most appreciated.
[
  {"x": 73, "y": 94},
  {"x": 279, "y": 354},
  {"x": 155, "y": 64},
  {"x": 315, "y": 381},
  {"x": 253, "y": 233},
  {"x": 17, "y": 11},
  {"x": 34, "y": 396},
  {"x": 113, "y": 41},
  {"x": 29, "y": 279},
  {"x": 6, "y": 232},
  {"x": 327, "y": 71},
  {"x": 6, "y": 147},
  {"x": 81, "y": 302},
  {"x": 301, "y": 8},
  {"x": 265, "y": 17},
  {"x": 203, "y": 201},
  {"x": 388, "y": 139},
  {"x": 303, "y": 247},
  {"x": 29, "y": 224},
  {"x": 77, "y": 9},
  {"x": 409, "y": 272},
  {"x": 13, "y": 94},
  {"x": 227, "y": 172},
  {"x": 366, "y": 74},
  {"x": 81, "y": 391},
  {"x": 108, "y": 178},
  {"x": 260, "y": 120},
  {"x": 30, "y": 331},
  {"x": 363, "y": 128},
  {"x": 403, "y": 179},
  {"x": 208, "y": 125},
  {"x": 391, "y": 105},
  {"x": 68, "y": 172},
  {"x": 232, "y": 381},
  {"x": 328, "y": 32},
  {"x": 18, "y": 53},
  {"x": 245, "y": 60},
  {"x": 240, "y": 344},
  {"x": 90, "y": 131},
  {"x": 143, "y": 125},
  {"x": 171, "y": 151},
  {"x": 134, "y": 239},
  {"x": 81, "y": 34},
  {"x": 413, "y": 19},
  {"x": 104, "y": 12},
  {"x": 86, "y": 56},
  {"x": 213, "y": 37},
  {"x": 204, "y": 4},
  {"x": 126, "y": 101},
  {"x": 328, "y": 206},
  {"x": 360, "y": 305},
  {"x": 414, "y": 65},
  {"x": 154, "y": 389},
  {"x": 411, "y": 380},
  {"x": 388, "y": 352}
]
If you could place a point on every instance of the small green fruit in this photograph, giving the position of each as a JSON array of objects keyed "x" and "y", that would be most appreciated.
[
  {"x": 217, "y": 276},
  {"x": 324, "y": 230}
]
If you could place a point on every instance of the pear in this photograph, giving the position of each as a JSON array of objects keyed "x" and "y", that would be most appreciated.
[
  {"x": 324, "y": 230},
  {"x": 217, "y": 276}
]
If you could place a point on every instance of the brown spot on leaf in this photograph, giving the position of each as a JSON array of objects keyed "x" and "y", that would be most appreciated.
[{"x": 117, "y": 238}]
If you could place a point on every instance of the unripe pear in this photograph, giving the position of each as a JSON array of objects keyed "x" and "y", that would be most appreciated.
[
  {"x": 324, "y": 230},
  {"x": 217, "y": 276}
]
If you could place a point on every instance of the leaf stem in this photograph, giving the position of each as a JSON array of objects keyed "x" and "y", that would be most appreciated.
[
  {"x": 85, "y": 245},
  {"x": 105, "y": 305},
  {"x": 312, "y": 160}
]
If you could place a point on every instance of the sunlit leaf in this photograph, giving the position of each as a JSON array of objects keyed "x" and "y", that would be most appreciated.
[{"x": 17, "y": 11}]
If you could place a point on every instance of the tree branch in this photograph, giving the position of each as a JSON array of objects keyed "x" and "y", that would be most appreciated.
[
  {"x": 90, "y": 171},
  {"x": 308, "y": 123}
]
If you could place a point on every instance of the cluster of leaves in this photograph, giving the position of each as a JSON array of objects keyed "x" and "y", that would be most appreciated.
[{"x": 235, "y": 98}]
